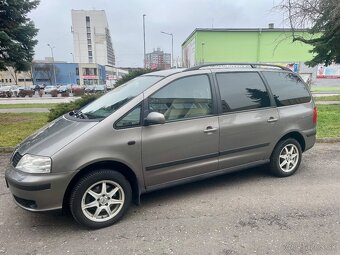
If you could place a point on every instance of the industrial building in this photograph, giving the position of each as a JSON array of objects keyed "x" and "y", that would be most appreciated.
[
  {"x": 263, "y": 45},
  {"x": 272, "y": 45},
  {"x": 49, "y": 72}
]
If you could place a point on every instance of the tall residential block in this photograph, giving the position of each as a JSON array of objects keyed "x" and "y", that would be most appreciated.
[
  {"x": 91, "y": 37},
  {"x": 158, "y": 59}
]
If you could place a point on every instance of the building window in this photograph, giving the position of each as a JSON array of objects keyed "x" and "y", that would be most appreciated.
[
  {"x": 88, "y": 30},
  {"x": 88, "y": 41},
  {"x": 21, "y": 80},
  {"x": 90, "y": 60},
  {"x": 10, "y": 80},
  {"x": 89, "y": 71},
  {"x": 89, "y": 47},
  {"x": 88, "y": 35},
  {"x": 90, "y": 53},
  {"x": 28, "y": 79},
  {"x": 87, "y": 21}
]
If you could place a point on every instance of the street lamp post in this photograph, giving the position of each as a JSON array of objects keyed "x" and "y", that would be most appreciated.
[
  {"x": 55, "y": 78},
  {"x": 203, "y": 52},
  {"x": 144, "y": 39},
  {"x": 172, "y": 47}
]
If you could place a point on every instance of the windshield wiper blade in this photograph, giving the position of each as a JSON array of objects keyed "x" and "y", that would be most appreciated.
[{"x": 78, "y": 114}]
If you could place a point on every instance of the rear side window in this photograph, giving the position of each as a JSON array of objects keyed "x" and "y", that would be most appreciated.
[
  {"x": 287, "y": 88},
  {"x": 242, "y": 91}
]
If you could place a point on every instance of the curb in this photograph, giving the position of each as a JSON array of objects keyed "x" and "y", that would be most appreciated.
[
  {"x": 6, "y": 149},
  {"x": 328, "y": 140},
  {"x": 318, "y": 140}
]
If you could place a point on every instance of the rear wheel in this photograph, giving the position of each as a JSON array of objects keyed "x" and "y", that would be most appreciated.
[
  {"x": 286, "y": 158},
  {"x": 100, "y": 198}
]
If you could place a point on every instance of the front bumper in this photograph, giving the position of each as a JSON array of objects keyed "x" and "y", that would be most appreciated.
[{"x": 37, "y": 192}]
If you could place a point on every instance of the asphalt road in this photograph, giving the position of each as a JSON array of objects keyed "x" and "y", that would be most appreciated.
[{"x": 248, "y": 212}]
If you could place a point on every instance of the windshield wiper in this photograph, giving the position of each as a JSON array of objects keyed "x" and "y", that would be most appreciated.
[{"x": 78, "y": 114}]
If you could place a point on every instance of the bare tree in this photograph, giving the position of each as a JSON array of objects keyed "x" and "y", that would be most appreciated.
[
  {"x": 321, "y": 18},
  {"x": 14, "y": 74},
  {"x": 44, "y": 71}
]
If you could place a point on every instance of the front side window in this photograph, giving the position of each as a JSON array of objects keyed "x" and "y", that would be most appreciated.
[
  {"x": 287, "y": 88},
  {"x": 188, "y": 97},
  {"x": 242, "y": 91}
]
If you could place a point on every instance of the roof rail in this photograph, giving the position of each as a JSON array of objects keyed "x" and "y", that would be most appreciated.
[{"x": 252, "y": 65}]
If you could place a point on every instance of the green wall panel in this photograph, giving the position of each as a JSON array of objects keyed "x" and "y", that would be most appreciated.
[{"x": 249, "y": 46}]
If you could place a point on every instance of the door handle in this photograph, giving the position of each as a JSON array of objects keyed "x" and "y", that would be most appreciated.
[
  {"x": 272, "y": 119},
  {"x": 210, "y": 129}
]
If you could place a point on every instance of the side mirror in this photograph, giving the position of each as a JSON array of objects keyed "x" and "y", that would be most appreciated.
[{"x": 155, "y": 118}]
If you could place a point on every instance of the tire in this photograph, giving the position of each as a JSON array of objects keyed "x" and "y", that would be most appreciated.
[
  {"x": 95, "y": 208},
  {"x": 283, "y": 163}
]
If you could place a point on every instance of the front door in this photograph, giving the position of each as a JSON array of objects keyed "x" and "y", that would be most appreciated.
[{"x": 187, "y": 144}]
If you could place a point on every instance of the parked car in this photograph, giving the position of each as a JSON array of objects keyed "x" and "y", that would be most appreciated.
[
  {"x": 162, "y": 129},
  {"x": 49, "y": 88},
  {"x": 63, "y": 89},
  {"x": 6, "y": 91}
]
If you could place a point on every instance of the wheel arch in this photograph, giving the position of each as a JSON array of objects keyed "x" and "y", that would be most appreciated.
[
  {"x": 122, "y": 168},
  {"x": 297, "y": 136}
]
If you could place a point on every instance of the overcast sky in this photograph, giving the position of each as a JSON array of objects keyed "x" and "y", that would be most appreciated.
[{"x": 180, "y": 17}]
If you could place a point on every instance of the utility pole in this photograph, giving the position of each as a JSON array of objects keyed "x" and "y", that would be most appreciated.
[
  {"x": 172, "y": 47},
  {"x": 144, "y": 39},
  {"x": 55, "y": 78}
]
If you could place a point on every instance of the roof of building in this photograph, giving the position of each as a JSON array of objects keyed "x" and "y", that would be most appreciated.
[{"x": 241, "y": 30}]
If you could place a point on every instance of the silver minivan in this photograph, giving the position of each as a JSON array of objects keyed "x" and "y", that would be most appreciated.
[{"x": 161, "y": 129}]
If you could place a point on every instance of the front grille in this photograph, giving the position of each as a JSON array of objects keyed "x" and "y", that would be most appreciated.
[{"x": 16, "y": 158}]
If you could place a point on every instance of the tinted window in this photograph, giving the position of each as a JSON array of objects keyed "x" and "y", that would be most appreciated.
[
  {"x": 131, "y": 119},
  {"x": 242, "y": 91},
  {"x": 287, "y": 88},
  {"x": 187, "y": 97}
]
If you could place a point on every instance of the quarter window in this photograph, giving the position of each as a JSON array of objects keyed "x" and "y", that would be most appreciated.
[
  {"x": 188, "y": 97},
  {"x": 287, "y": 88},
  {"x": 131, "y": 119},
  {"x": 242, "y": 91}
]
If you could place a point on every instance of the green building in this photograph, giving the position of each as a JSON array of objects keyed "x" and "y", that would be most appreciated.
[{"x": 267, "y": 45}]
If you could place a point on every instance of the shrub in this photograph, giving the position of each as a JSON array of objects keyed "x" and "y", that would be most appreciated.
[
  {"x": 63, "y": 108},
  {"x": 54, "y": 93},
  {"x": 65, "y": 94},
  {"x": 78, "y": 91},
  {"x": 25, "y": 92}
]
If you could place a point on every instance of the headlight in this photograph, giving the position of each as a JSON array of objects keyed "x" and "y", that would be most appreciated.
[{"x": 34, "y": 164}]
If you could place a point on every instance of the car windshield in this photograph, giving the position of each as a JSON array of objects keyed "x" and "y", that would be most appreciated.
[{"x": 113, "y": 100}]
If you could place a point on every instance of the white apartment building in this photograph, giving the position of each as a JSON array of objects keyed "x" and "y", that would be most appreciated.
[{"x": 91, "y": 37}]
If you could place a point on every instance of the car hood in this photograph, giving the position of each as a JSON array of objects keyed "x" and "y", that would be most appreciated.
[{"x": 54, "y": 136}]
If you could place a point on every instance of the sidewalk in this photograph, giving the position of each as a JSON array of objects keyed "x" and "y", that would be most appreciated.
[
  {"x": 37, "y": 100},
  {"x": 21, "y": 110},
  {"x": 327, "y": 102}
]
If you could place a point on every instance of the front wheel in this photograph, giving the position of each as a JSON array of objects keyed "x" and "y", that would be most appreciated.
[
  {"x": 286, "y": 158},
  {"x": 100, "y": 198}
]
